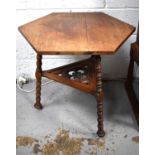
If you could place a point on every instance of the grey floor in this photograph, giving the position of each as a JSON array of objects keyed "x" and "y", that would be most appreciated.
[{"x": 73, "y": 110}]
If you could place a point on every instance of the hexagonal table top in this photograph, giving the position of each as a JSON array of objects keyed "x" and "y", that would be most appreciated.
[{"x": 76, "y": 33}]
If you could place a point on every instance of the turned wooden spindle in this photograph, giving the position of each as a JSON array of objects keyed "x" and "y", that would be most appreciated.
[
  {"x": 38, "y": 104},
  {"x": 99, "y": 96}
]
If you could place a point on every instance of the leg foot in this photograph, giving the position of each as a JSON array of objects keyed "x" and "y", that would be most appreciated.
[
  {"x": 100, "y": 133},
  {"x": 38, "y": 106}
]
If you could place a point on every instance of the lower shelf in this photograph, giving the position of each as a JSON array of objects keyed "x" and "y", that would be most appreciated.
[{"x": 80, "y": 75}]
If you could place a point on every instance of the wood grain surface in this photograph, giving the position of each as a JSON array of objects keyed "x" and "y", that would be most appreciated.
[{"x": 76, "y": 33}]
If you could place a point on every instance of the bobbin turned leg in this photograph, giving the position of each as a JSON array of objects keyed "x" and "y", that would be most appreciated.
[
  {"x": 38, "y": 104},
  {"x": 99, "y": 96}
]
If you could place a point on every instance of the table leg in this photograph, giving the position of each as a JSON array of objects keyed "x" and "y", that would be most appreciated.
[
  {"x": 38, "y": 74},
  {"x": 99, "y": 96}
]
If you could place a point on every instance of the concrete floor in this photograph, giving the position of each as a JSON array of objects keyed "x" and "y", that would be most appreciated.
[{"x": 73, "y": 110}]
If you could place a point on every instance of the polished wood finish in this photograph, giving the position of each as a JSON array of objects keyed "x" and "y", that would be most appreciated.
[
  {"x": 59, "y": 33},
  {"x": 134, "y": 57},
  {"x": 76, "y": 34}
]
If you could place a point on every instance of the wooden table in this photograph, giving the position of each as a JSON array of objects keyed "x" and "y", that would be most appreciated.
[{"x": 76, "y": 34}]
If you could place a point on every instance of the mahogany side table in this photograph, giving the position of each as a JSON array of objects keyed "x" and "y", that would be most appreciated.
[{"x": 76, "y": 34}]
